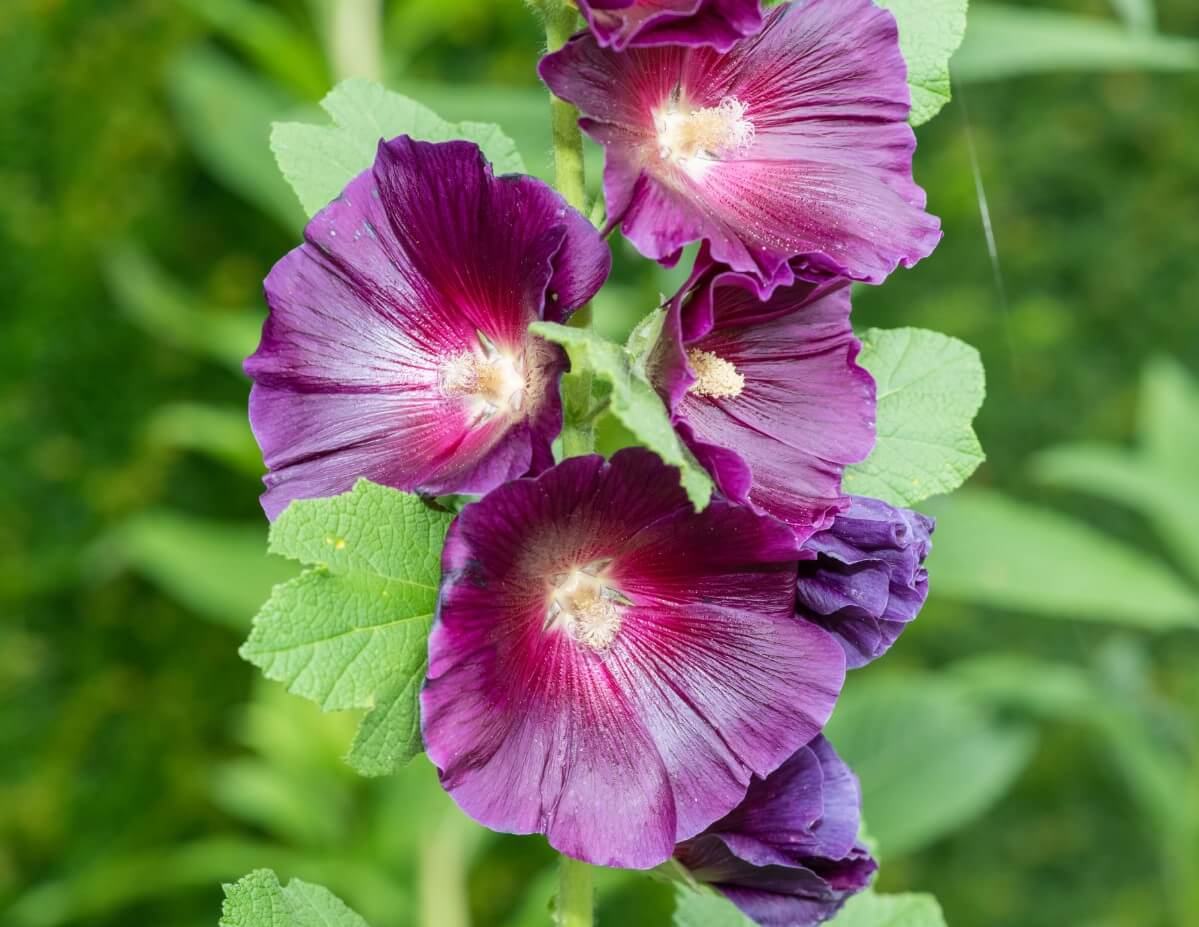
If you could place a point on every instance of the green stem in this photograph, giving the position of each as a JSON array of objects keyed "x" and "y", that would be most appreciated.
[
  {"x": 576, "y": 895},
  {"x": 561, "y": 22}
]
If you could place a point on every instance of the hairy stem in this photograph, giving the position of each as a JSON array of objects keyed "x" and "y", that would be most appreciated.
[
  {"x": 561, "y": 21},
  {"x": 576, "y": 895}
]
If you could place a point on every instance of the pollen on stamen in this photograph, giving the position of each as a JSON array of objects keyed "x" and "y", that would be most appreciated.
[
  {"x": 715, "y": 377},
  {"x": 586, "y": 610},
  {"x": 712, "y": 131},
  {"x": 493, "y": 378}
]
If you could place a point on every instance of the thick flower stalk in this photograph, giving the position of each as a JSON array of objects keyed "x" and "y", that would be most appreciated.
[
  {"x": 768, "y": 394},
  {"x": 621, "y": 24},
  {"x": 789, "y": 854},
  {"x": 794, "y": 143},
  {"x": 609, "y": 667},
  {"x": 868, "y": 580},
  {"x": 397, "y": 346}
]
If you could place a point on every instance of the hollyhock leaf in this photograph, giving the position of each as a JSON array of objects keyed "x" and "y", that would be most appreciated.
[
  {"x": 705, "y": 908},
  {"x": 871, "y": 910},
  {"x": 258, "y": 900},
  {"x": 632, "y": 400},
  {"x": 930, "y": 387},
  {"x": 318, "y": 161},
  {"x": 350, "y": 631},
  {"x": 930, "y": 31}
]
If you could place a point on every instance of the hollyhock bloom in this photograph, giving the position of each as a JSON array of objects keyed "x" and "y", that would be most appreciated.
[
  {"x": 397, "y": 347},
  {"x": 768, "y": 395},
  {"x": 609, "y": 667},
  {"x": 795, "y": 142},
  {"x": 868, "y": 579},
  {"x": 789, "y": 854},
  {"x": 619, "y": 24}
]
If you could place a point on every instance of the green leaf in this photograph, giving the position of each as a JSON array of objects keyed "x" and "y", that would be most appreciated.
[
  {"x": 929, "y": 759},
  {"x": 930, "y": 31},
  {"x": 221, "y": 432},
  {"x": 318, "y": 161},
  {"x": 997, "y": 551},
  {"x": 632, "y": 400},
  {"x": 930, "y": 387},
  {"x": 871, "y": 910},
  {"x": 1168, "y": 418},
  {"x": 705, "y": 908},
  {"x": 1008, "y": 41},
  {"x": 258, "y": 900},
  {"x": 351, "y": 631}
]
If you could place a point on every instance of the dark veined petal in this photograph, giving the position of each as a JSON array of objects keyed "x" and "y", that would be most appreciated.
[
  {"x": 868, "y": 579},
  {"x": 620, "y": 24},
  {"x": 609, "y": 667},
  {"x": 793, "y": 143},
  {"x": 397, "y": 347},
  {"x": 768, "y": 394},
  {"x": 788, "y": 855}
]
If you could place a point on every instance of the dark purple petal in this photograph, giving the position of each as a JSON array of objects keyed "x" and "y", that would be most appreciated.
[
  {"x": 768, "y": 395},
  {"x": 868, "y": 579},
  {"x": 609, "y": 667},
  {"x": 397, "y": 348},
  {"x": 793, "y": 143},
  {"x": 620, "y": 24},
  {"x": 788, "y": 855}
]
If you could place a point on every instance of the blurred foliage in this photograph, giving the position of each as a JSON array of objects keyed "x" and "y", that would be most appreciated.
[{"x": 1028, "y": 768}]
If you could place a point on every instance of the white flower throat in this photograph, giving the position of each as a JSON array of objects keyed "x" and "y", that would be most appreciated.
[
  {"x": 493, "y": 378},
  {"x": 709, "y": 133},
  {"x": 585, "y": 606}
]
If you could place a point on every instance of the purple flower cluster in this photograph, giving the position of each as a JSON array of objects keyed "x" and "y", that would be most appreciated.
[{"x": 632, "y": 678}]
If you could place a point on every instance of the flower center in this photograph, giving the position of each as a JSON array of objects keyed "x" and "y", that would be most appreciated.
[
  {"x": 585, "y": 607},
  {"x": 493, "y": 378},
  {"x": 715, "y": 378},
  {"x": 709, "y": 133}
]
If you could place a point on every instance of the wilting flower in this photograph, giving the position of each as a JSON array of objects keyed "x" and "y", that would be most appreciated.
[
  {"x": 868, "y": 579},
  {"x": 609, "y": 667},
  {"x": 768, "y": 395},
  {"x": 789, "y": 854},
  {"x": 620, "y": 24},
  {"x": 397, "y": 347},
  {"x": 795, "y": 142}
]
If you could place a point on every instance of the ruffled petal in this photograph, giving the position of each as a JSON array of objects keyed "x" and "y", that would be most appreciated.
[
  {"x": 867, "y": 581},
  {"x": 794, "y": 408},
  {"x": 788, "y": 855},
  {"x": 616, "y": 740},
  {"x": 621, "y": 24},
  {"x": 793, "y": 143},
  {"x": 425, "y": 262}
]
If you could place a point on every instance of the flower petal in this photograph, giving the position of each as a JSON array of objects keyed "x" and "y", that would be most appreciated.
[
  {"x": 718, "y": 23},
  {"x": 424, "y": 259},
  {"x": 618, "y": 751}
]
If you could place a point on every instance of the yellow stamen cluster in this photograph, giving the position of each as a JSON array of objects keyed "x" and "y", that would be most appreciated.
[{"x": 715, "y": 378}]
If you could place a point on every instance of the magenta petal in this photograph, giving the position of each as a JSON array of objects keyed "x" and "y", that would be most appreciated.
[
  {"x": 403, "y": 314},
  {"x": 609, "y": 667},
  {"x": 788, "y": 855},
  {"x": 782, "y": 406},
  {"x": 793, "y": 143},
  {"x": 622, "y": 24}
]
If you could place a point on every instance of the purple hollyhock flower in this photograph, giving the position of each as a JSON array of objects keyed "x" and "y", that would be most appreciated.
[
  {"x": 620, "y": 24},
  {"x": 768, "y": 395},
  {"x": 868, "y": 579},
  {"x": 397, "y": 346},
  {"x": 795, "y": 142},
  {"x": 789, "y": 854},
  {"x": 609, "y": 667}
]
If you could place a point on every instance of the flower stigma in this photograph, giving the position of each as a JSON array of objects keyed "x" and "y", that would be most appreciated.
[
  {"x": 715, "y": 377},
  {"x": 585, "y": 607},
  {"x": 704, "y": 134},
  {"x": 493, "y": 378}
]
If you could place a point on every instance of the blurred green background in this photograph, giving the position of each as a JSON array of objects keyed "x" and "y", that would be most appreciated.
[{"x": 1028, "y": 750}]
